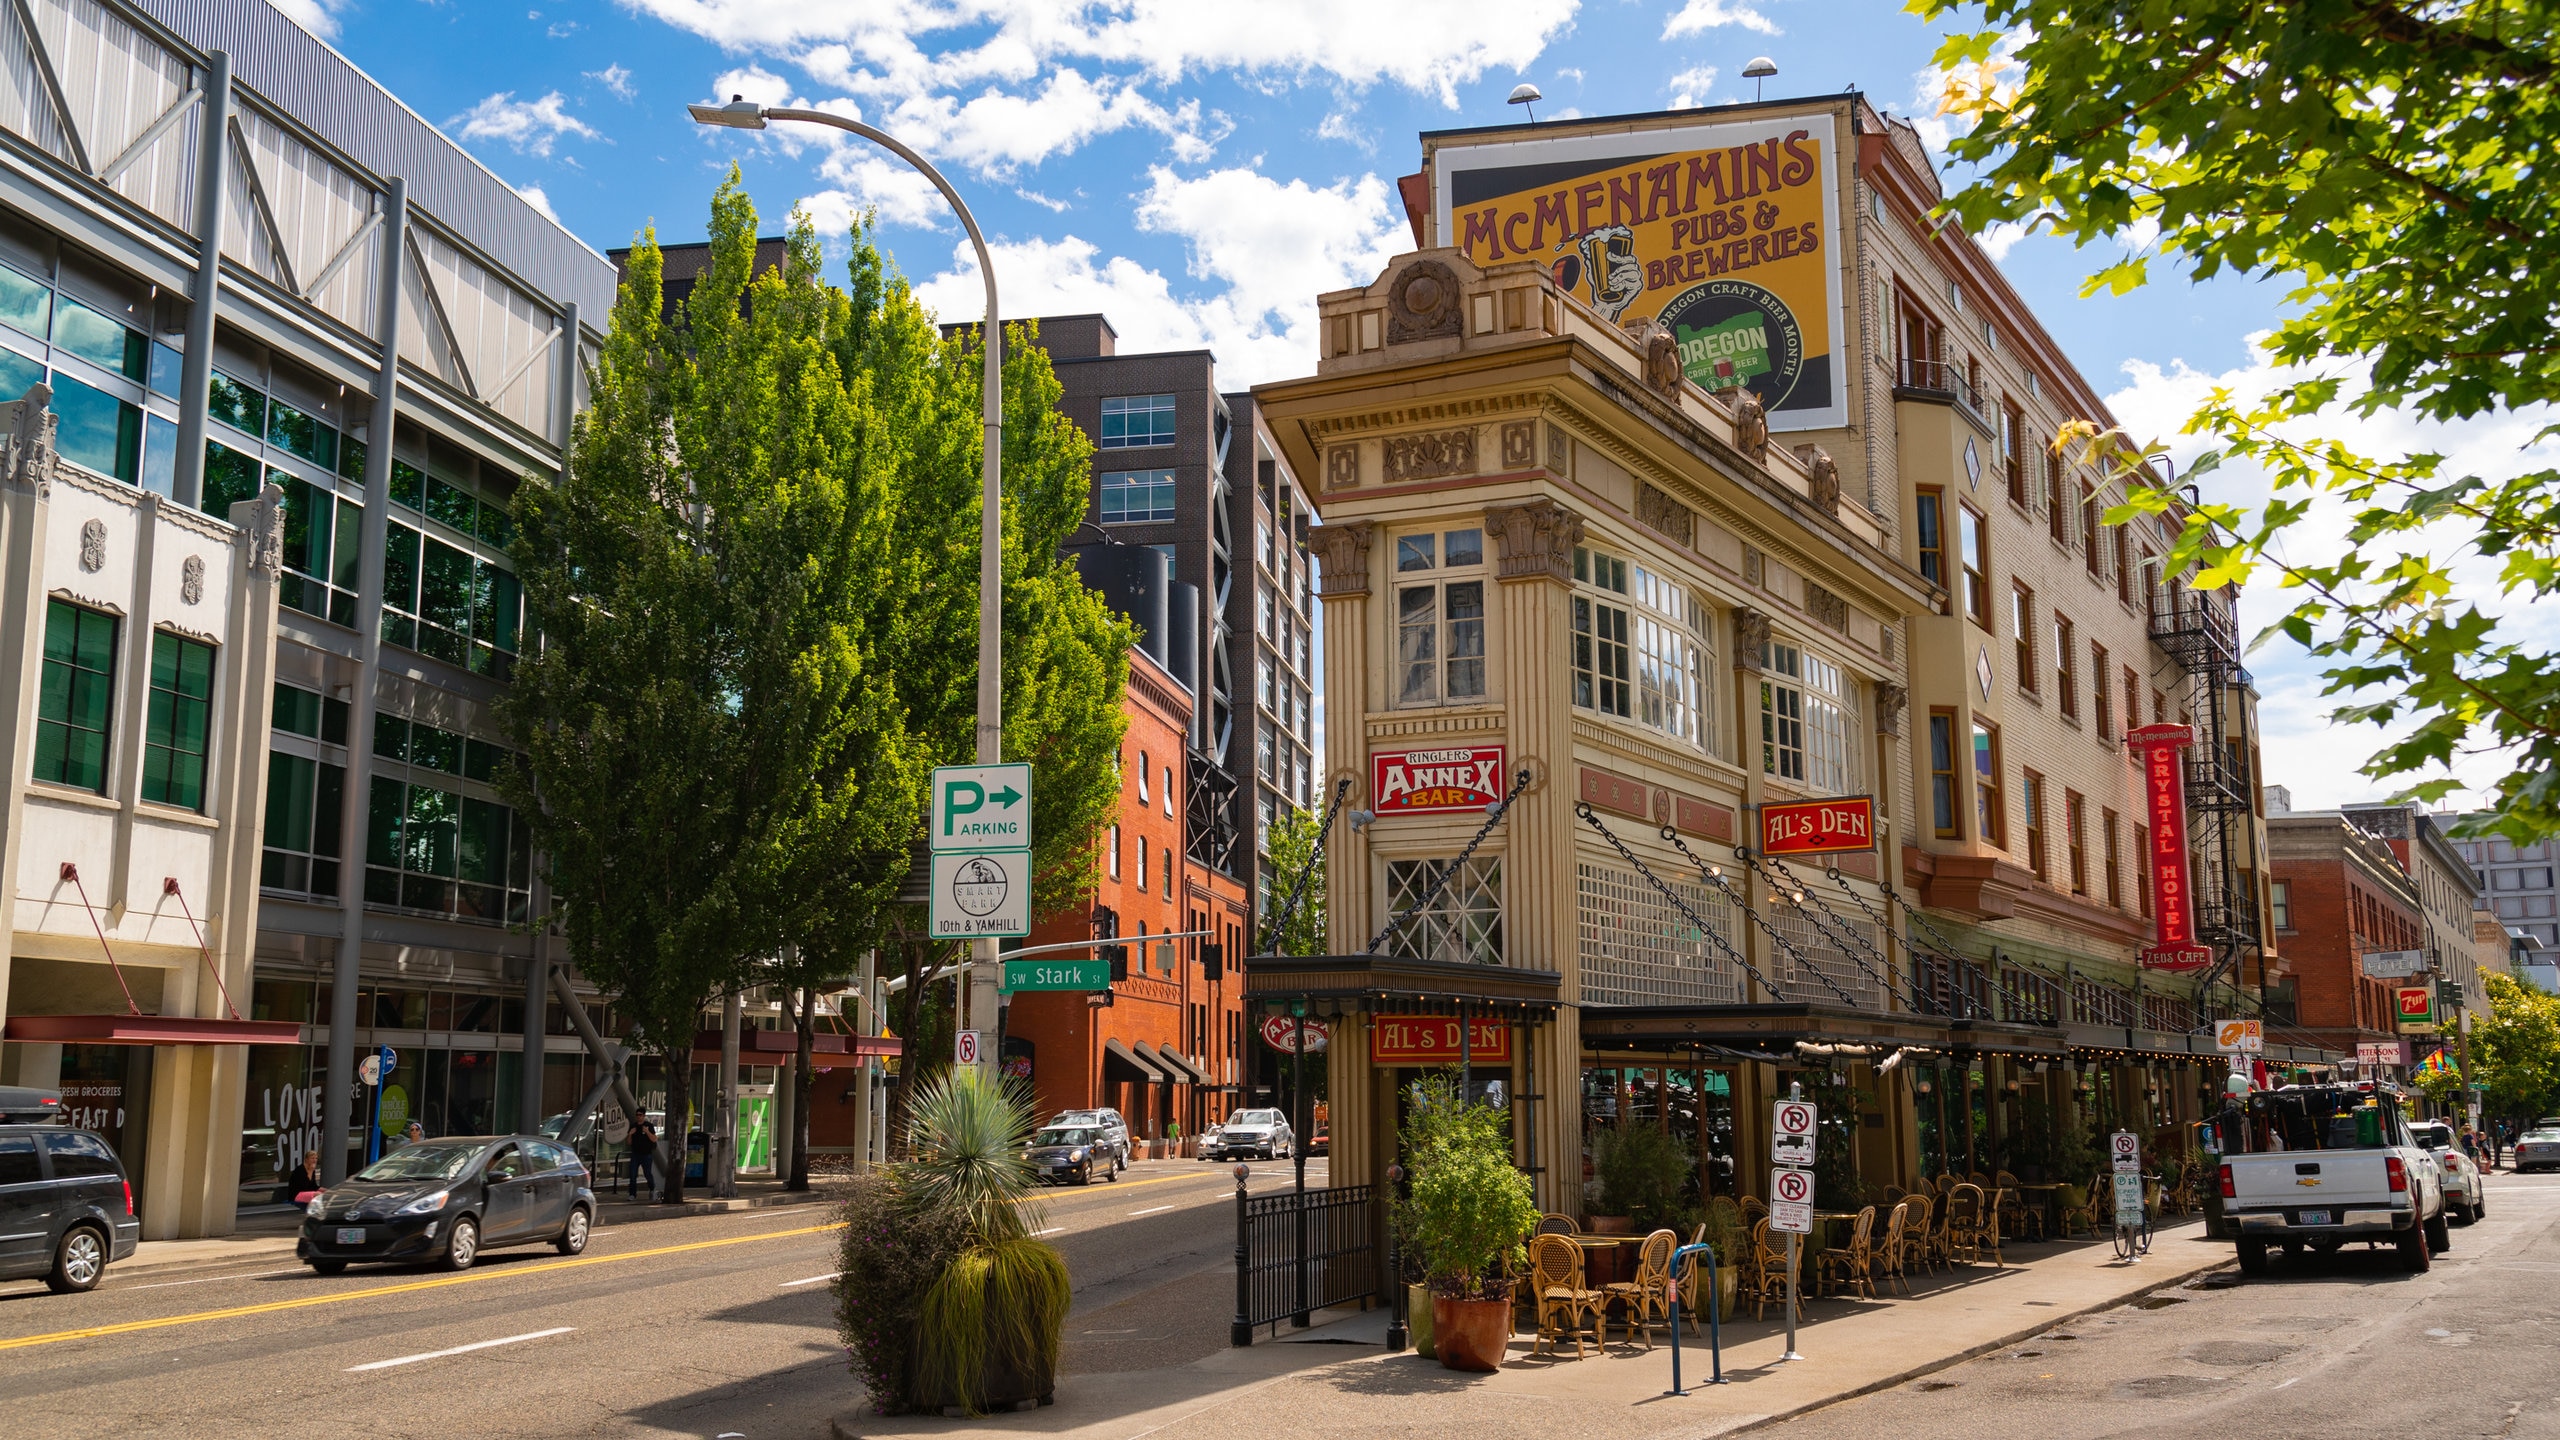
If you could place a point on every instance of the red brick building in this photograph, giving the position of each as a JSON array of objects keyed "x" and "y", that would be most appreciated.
[
  {"x": 1163, "y": 1050},
  {"x": 2339, "y": 894}
]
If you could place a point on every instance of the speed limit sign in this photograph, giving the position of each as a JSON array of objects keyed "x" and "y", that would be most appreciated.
[
  {"x": 1791, "y": 1201},
  {"x": 2127, "y": 1150}
]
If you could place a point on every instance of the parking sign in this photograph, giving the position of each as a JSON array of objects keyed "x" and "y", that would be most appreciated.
[
  {"x": 1791, "y": 1201},
  {"x": 1791, "y": 1132},
  {"x": 2126, "y": 1147}
]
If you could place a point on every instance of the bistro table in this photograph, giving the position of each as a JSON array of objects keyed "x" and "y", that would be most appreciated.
[
  {"x": 1601, "y": 1261},
  {"x": 2046, "y": 1197}
]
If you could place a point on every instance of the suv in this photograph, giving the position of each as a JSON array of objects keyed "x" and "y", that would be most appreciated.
[
  {"x": 66, "y": 1210},
  {"x": 2465, "y": 1197},
  {"x": 1115, "y": 1131}
]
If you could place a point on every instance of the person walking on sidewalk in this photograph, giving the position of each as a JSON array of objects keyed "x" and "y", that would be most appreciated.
[{"x": 644, "y": 1156}]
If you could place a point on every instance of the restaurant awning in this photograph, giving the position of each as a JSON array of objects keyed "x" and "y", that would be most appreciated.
[
  {"x": 1165, "y": 1064},
  {"x": 1184, "y": 1072},
  {"x": 149, "y": 1030},
  {"x": 1117, "y": 1053}
]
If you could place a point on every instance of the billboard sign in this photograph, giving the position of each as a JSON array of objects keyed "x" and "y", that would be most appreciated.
[
  {"x": 1728, "y": 234},
  {"x": 1413, "y": 782},
  {"x": 2417, "y": 1012},
  {"x": 1818, "y": 827},
  {"x": 2394, "y": 964},
  {"x": 2164, "y": 784}
]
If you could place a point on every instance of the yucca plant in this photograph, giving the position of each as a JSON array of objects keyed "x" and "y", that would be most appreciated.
[{"x": 989, "y": 1328}]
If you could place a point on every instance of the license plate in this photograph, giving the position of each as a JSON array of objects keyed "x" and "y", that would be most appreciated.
[
  {"x": 351, "y": 1236},
  {"x": 2315, "y": 1217}
]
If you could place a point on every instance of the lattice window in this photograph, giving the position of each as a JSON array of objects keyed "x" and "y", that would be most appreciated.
[
  {"x": 1463, "y": 923},
  {"x": 1824, "y": 955},
  {"x": 1638, "y": 950}
]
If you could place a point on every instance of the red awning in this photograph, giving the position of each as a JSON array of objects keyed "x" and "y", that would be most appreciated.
[{"x": 149, "y": 1030}]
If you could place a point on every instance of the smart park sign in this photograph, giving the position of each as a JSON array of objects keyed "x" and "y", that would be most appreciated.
[{"x": 981, "y": 835}]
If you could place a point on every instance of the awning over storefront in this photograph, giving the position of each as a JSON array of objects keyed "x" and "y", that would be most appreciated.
[
  {"x": 773, "y": 1047},
  {"x": 1774, "y": 1029},
  {"x": 1149, "y": 1055},
  {"x": 2171, "y": 1045},
  {"x": 1356, "y": 984},
  {"x": 1116, "y": 1056},
  {"x": 1185, "y": 1072},
  {"x": 149, "y": 1030}
]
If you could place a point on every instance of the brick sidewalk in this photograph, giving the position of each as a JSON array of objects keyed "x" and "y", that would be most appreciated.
[{"x": 1352, "y": 1388}]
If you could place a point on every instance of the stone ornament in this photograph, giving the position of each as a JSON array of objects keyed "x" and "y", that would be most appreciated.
[
  {"x": 1342, "y": 467},
  {"x": 1342, "y": 555},
  {"x": 1537, "y": 539},
  {"x": 1825, "y": 607},
  {"x": 1431, "y": 455},
  {"x": 1422, "y": 303},
  {"x": 264, "y": 530},
  {"x": 1891, "y": 698},
  {"x": 1750, "y": 425},
  {"x": 93, "y": 545},
  {"x": 1750, "y": 640},
  {"x": 1824, "y": 484},
  {"x": 1519, "y": 444},
  {"x": 1662, "y": 362},
  {"x": 191, "y": 580},
  {"x": 26, "y": 439},
  {"x": 1665, "y": 516}
]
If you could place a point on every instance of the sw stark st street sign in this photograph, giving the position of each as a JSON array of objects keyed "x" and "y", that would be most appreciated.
[
  {"x": 1412, "y": 782},
  {"x": 1818, "y": 827}
]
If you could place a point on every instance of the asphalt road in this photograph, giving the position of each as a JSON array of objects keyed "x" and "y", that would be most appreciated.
[
  {"x": 2336, "y": 1349},
  {"x": 707, "y": 1326}
]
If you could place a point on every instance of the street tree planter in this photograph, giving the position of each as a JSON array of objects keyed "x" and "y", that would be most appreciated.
[
  {"x": 1471, "y": 1334},
  {"x": 1466, "y": 1219}
]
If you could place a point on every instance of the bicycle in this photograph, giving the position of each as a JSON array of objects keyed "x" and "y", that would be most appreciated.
[{"x": 2132, "y": 1242}]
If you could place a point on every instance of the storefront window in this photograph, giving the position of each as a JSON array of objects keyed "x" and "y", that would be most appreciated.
[{"x": 1462, "y": 923}]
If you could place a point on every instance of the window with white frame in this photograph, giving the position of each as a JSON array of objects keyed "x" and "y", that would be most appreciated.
[
  {"x": 1440, "y": 617},
  {"x": 1462, "y": 923},
  {"x": 1603, "y": 658},
  {"x": 1805, "y": 708}
]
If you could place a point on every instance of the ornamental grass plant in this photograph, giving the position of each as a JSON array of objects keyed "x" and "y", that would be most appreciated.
[{"x": 947, "y": 1300}]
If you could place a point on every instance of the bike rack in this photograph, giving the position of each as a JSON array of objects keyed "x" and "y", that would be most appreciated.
[{"x": 1715, "y": 1333}]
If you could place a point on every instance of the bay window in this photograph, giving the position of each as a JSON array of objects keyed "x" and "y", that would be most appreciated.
[{"x": 1805, "y": 704}]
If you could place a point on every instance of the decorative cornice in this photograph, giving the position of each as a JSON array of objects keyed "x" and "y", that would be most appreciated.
[
  {"x": 1479, "y": 407},
  {"x": 1537, "y": 539},
  {"x": 1343, "y": 548},
  {"x": 1750, "y": 638},
  {"x": 1891, "y": 700},
  {"x": 27, "y": 425}
]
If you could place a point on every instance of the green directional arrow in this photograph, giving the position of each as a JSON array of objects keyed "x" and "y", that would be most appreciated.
[{"x": 1006, "y": 796}]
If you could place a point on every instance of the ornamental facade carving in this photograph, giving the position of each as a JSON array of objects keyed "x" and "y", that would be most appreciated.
[
  {"x": 1422, "y": 303},
  {"x": 191, "y": 580},
  {"x": 93, "y": 545},
  {"x": 1431, "y": 455},
  {"x": 1750, "y": 639},
  {"x": 1536, "y": 538},
  {"x": 1342, "y": 553}
]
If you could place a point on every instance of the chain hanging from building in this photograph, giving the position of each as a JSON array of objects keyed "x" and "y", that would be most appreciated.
[
  {"x": 1493, "y": 816},
  {"x": 1591, "y": 817},
  {"x": 1298, "y": 891}
]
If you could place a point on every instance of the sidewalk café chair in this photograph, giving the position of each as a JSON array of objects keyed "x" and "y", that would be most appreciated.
[
  {"x": 1849, "y": 1269},
  {"x": 1893, "y": 1257},
  {"x": 1917, "y": 1258},
  {"x": 1555, "y": 1224},
  {"x": 1964, "y": 1224},
  {"x": 1647, "y": 1296},
  {"x": 1754, "y": 1208},
  {"x": 1980, "y": 1181},
  {"x": 1694, "y": 1292},
  {"x": 1564, "y": 1303},
  {"x": 1989, "y": 1237},
  {"x": 1770, "y": 1279},
  {"x": 1942, "y": 1183},
  {"x": 1893, "y": 1194},
  {"x": 2016, "y": 1215}
]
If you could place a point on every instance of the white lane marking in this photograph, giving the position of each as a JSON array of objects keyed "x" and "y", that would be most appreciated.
[
  {"x": 2287, "y": 1382},
  {"x": 209, "y": 1279},
  {"x": 1160, "y": 1209},
  {"x": 812, "y": 1280},
  {"x": 1052, "y": 1230},
  {"x": 463, "y": 1349}
]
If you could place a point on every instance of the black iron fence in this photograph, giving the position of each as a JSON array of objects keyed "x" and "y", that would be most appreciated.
[{"x": 1300, "y": 1251}]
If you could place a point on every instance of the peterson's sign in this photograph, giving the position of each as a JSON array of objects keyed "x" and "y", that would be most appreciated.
[
  {"x": 1818, "y": 827},
  {"x": 1411, "y": 782},
  {"x": 1433, "y": 1040},
  {"x": 1727, "y": 234}
]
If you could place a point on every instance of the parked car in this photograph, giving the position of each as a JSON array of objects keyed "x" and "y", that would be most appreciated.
[
  {"x": 1250, "y": 1133},
  {"x": 2350, "y": 1171},
  {"x": 445, "y": 1201},
  {"x": 1060, "y": 1153},
  {"x": 2539, "y": 1147},
  {"x": 1115, "y": 1131},
  {"x": 2466, "y": 1194},
  {"x": 66, "y": 1209}
]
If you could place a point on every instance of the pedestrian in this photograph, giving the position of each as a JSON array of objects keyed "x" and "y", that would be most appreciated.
[
  {"x": 305, "y": 1182},
  {"x": 415, "y": 1133},
  {"x": 644, "y": 1155}
]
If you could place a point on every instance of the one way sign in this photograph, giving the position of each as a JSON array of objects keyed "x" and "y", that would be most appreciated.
[{"x": 982, "y": 807}]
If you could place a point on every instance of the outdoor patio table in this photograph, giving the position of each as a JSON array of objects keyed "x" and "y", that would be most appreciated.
[
  {"x": 2045, "y": 1196},
  {"x": 1601, "y": 1262}
]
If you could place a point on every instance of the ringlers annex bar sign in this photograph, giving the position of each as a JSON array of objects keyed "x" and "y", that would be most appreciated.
[
  {"x": 1727, "y": 234},
  {"x": 1411, "y": 782},
  {"x": 2164, "y": 785}
]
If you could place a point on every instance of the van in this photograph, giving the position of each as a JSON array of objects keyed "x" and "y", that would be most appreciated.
[{"x": 66, "y": 1209}]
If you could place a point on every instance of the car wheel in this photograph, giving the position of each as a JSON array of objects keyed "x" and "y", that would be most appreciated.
[
  {"x": 1084, "y": 1176},
  {"x": 2253, "y": 1257},
  {"x": 2413, "y": 1252},
  {"x": 2439, "y": 1235},
  {"x": 327, "y": 1267},
  {"x": 463, "y": 1246},
  {"x": 573, "y": 1236},
  {"x": 77, "y": 1262}
]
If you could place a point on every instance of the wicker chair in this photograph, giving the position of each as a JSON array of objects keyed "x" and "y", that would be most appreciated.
[
  {"x": 1964, "y": 1224},
  {"x": 1555, "y": 1224},
  {"x": 1770, "y": 1259},
  {"x": 1647, "y": 1296},
  {"x": 1893, "y": 1257},
  {"x": 1849, "y": 1269},
  {"x": 2017, "y": 1217},
  {"x": 1920, "y": 1233},
  {"x": 1943, "y": 1183},
  {"x": 1999, "y": 1203},
  {"x": 1564, "y": 1302}
]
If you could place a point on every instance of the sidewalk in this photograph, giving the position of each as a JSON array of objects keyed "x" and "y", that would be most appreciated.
[
  {"x": 271, "y": 1236},
  {"x": 1336, "y": 1378}
]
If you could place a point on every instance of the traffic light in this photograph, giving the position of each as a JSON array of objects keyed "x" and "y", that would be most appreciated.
[
  {"x": 1212, "y": 956},
  {"x": 1106, "y": 927}
]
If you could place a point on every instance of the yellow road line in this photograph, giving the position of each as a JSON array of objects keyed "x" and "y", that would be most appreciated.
[{"x": 131, "y": 1326}]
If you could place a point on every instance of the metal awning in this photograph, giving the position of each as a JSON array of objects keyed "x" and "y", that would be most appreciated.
[
  {"x": 1116, "y": 1052},
  {"x": 1165, "y": 1062},
  {"x": 149, "y": 1030},
  {"x": 1184, "y": 1072}
]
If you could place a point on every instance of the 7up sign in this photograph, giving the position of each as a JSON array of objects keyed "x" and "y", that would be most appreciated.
[{"x": 981, "y": 831}]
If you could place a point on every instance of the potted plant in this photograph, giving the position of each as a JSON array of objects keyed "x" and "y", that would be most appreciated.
[
  {"x": 1725, "y": 1234},
  {"x": 1468, "y": 1218},
  {"x": 2074, "y": 1161},
  {"x": 1643, "y": 1172},
  {"x": 946, "y": 1301}
]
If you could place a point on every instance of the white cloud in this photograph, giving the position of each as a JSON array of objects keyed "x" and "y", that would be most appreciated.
[
  {"x": 533, "y": 196},
  {"x": 996, "y": 132},
  {"x": 320, "y": 17},
  {"x": 1267, "y": 248},
  {"x": 615, "y": 78},
  {"x": 2303, "y": 750},
  {"x": 2001, "y": 238},
  {"x": 1338, "y": 125},
  {"x": 1699, "y": 16},
  {"x": 530, "y": 127},
  {"x": 1689, "y": 87}
]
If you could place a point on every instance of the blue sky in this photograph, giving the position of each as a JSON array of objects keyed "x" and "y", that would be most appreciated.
[{"x": 1201, "y": 171}]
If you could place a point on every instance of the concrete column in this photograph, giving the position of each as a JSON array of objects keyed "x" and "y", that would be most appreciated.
[
  {"x": 1351, "y": 686},
  {"x": 195, "y": 374},
  {"x": 1750, "y": 633},
  {"x": 336, "y": 1088},
  {"x": 1558, "y": 1077},
  {"x": 25, "y": 500},
  {"x": 1533, "y": 667},
  {"x": 865, "y": 1025},
  {"x": 537, "y": 985}
]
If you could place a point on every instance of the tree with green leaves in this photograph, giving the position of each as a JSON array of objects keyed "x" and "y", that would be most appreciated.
[
  {"x": 2515, "y": 1053},
  {"x": 1295, "y": 862},
  {"x": 2385, "y": 160}
]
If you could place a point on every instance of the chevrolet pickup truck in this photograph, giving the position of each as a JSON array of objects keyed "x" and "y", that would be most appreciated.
[{"x": 2350, "y": 1171}]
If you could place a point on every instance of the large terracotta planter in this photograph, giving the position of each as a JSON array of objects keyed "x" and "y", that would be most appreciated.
[
  {"x": 1417, "y": 1312},
  {"x": 1470, "y": 1334}
]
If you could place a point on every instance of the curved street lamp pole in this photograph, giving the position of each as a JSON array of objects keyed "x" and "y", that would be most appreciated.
[{"x": 743, "y": 114}]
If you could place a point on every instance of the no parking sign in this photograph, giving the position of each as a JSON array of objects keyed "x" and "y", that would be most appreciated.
[{"x": 1791, "y": 1201}]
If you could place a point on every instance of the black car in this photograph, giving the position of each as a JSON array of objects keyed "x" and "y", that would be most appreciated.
[
  {"x": 445, "y": 1201},
  {"x": 66, "y": 1210}
]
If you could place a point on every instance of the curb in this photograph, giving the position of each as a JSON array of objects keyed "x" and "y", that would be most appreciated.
[{"x": 1950, "y": 1361}]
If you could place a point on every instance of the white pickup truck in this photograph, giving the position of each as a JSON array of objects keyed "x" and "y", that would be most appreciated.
[{"x": 2350, "y": 1171}]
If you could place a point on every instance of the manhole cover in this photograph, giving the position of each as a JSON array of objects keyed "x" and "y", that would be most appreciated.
[
  {"x": 2157, "y": 1302},
  {"x": 2168, "y": 1387},
  {"x": 2239, "y": 1354},
  {"x": 1933, "y": 1385}
]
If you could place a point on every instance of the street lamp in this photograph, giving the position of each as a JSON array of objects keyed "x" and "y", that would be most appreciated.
[{"x": 744, "y": 114}]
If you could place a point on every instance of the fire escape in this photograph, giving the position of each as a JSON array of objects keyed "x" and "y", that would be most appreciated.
[{"x": 2200, "y": 634}]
